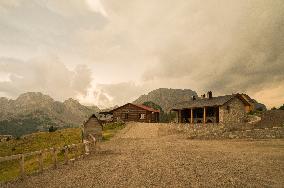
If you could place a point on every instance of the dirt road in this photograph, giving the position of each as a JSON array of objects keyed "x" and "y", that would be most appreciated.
[{"x": 140, "y": 157}]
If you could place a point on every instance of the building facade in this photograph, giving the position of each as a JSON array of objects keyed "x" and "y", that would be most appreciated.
[
  {"x": 136, "y": 113},
  {"x": 92, "y": 127},
  {"x": 221, "y": 109}
]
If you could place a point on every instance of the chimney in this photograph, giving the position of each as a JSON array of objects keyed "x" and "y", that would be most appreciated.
[
  {"x": 193, "y": 98},
  {"x": 209, "y": 95}
]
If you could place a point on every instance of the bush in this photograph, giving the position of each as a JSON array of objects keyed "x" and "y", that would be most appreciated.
[
  {"x": 167, "y": 117},
  {"x": 259, "y": 109},
  {"x": 281, "y": 107},
  {"x": 52, "y": 129},
  {"x": 153, "y": 105}
]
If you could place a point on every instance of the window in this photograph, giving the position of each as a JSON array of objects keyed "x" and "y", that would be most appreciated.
[
  {"x": 228, "y": 109},
  {"x": 126, "y": 116},
  {"x": 142, "y": 116}
]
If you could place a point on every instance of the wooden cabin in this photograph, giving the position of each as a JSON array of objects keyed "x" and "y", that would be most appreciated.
[
  {"x": 94, "y": 127},
  {"x": 136, "y": 113}
]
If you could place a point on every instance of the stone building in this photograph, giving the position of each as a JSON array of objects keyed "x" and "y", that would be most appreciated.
[
  {"x": 221, "y": 109},
  {"x": 92, "y": 127}
]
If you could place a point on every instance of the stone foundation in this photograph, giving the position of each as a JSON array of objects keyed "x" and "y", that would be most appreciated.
[{"x": 222, "y": 131}]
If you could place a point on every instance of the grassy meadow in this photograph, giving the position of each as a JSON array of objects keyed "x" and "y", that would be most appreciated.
[
  {"x": 35, "y": 142},
  {"x": 42, "y": 140},
  {"x": 110, "y": 129}
]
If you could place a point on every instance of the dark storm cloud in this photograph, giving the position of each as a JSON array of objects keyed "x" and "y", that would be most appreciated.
[
  {"x": 232, "y": 50},
  {"x": 134, "y": 46}
]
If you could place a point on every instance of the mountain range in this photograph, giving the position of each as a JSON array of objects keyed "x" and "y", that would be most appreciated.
[{"x": 34, "y": 111}]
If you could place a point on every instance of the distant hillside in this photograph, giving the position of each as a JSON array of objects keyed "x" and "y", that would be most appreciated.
[
  {"x": 33, "y": 111},
  {"x": 166, "y": 98}
]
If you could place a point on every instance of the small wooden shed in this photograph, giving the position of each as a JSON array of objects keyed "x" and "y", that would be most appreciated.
[{"x": 93, "y": 126}]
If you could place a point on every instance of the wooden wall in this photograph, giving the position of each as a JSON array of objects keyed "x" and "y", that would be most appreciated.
[
  {"x": 131, "y": 112},
  {"x": 94, "y": 127}
]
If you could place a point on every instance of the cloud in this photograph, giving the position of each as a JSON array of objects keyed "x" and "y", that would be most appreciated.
[
  {"x": 236, "y": 47},
  {"x": 225, "y": 46},
  {"x": 39, "y": 28},
  {"x": 47, "y": 75},
  {"x": 108, "y": 95},
  {"x": 97, "y": 6}
]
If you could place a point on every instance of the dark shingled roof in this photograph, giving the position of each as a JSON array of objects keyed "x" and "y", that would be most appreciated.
[{"x": 214, "y": 101}]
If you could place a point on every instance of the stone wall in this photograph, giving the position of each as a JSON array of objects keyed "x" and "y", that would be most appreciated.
[
  {"x": 221, "y": 131},
  {"x": 232, "y": 112}
]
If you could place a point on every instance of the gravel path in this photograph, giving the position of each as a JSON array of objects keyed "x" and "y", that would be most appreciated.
[{"x": 139, "y": 157}]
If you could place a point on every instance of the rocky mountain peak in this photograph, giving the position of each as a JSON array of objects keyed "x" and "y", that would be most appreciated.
[
  {"x": 165, "y": 97},
  {"x": 35, "y": 111},
  {"x": 71, "y": 101},
  {"x": 33, "y": 97},
  {"x": 3, "y": 100}
]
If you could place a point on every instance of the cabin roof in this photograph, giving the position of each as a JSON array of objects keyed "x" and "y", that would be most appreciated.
[
  {"x": 139, "y": 106},
  {"x": 92, "y": 116},
  {"x": 248, "y": 98},
  {"x": 146, "y": 108},
  {"x": 214, "y": 101}
]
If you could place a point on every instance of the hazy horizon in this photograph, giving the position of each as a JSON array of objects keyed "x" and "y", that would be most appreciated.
[{"x": 109, "y": 52}]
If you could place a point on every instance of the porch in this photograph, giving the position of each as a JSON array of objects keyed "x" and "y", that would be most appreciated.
[{"x": 198, "y": 115}]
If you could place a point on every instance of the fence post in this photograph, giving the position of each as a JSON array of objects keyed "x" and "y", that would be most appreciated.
[
  {"x": 87, "y": 149},
  {"x": 40, "y": 160},
  {"x": 66, "y": 155},
  {"x": 94, "y": 139},
  {"x": 54, "y": 156},
  {"x": 76, "y": 148},
  {"x": 22, "y": 166}
]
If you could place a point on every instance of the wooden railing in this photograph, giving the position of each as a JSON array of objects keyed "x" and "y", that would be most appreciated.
[{"x": 78, "y": 150}]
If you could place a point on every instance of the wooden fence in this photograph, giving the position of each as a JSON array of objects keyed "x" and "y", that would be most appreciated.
[{"x": 78, "y": 150}]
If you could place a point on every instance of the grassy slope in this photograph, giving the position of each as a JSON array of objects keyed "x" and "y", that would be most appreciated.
[
  {"x": 43, "y": 140},
  {"x": 110, "y": 129},
  {"x": 35, "y": 142}
]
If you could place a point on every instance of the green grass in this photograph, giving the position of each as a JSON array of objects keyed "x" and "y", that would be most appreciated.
[
  {"x": 39, "y": 141},
  {"x": 110, "y": 129},
  {"x": 42, "y": 140},
  {"x": 35, "y": 142}
]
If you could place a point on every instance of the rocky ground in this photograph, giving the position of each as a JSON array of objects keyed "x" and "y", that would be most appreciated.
[{"x": 140, "y": 156}]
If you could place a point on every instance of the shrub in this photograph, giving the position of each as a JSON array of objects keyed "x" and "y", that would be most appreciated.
[
  {"x": 153, "y": 105},
  {"x": 52, "y": 129},
  {"x": 259, "y": 109}
]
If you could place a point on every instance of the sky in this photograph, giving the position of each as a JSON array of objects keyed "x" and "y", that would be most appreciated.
[{"x": 109, "y": 52}]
